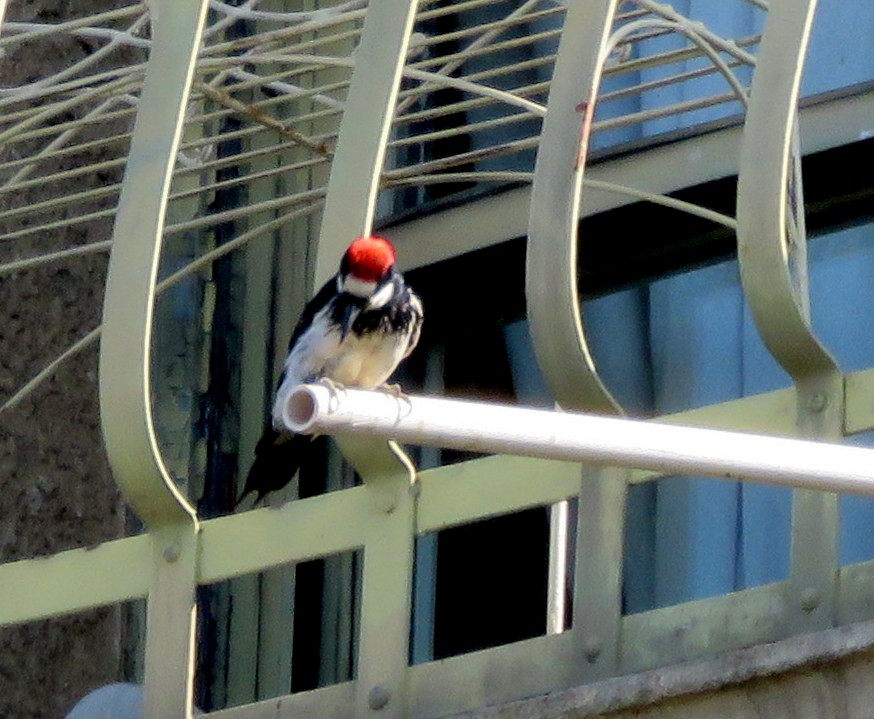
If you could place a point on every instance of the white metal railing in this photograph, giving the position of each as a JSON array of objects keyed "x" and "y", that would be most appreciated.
[{"x": 588, "y": 439}]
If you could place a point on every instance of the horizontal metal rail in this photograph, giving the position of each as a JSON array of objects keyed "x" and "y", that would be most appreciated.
[{"x": 482, "y": 427}]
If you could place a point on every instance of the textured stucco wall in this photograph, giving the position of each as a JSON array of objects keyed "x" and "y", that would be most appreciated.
[{"x": 55, "y": 485}]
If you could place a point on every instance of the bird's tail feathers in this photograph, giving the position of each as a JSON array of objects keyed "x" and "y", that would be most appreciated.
[{"x": 277, "y": 458}]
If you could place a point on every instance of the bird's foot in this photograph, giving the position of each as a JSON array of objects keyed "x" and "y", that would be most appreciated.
[
  {"x": 393, "y": 389},
  {"x": 336, "y": 391},
  {"x": 398, "y": 393}
]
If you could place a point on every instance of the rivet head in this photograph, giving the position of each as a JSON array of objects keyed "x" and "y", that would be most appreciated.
[
  {"x": 171, "y": 553},
  {"x": 817, "y": 402},
  {"x": 809, "y": 599},
  {"x": 378, "y": 697},
  {"x": 592, "y": 648}
]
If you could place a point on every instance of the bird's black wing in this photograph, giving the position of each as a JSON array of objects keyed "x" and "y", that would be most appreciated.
[
  {"x": 322, "y": 298},
  {"x": 279, "y": 454},
  {"x": 417, "y": 315}
]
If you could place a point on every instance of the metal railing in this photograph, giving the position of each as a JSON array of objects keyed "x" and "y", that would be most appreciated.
[{"x": 383, "y": 517}]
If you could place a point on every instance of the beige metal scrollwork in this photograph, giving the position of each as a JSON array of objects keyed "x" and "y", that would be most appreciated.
[{"x": 125, "y": 395}]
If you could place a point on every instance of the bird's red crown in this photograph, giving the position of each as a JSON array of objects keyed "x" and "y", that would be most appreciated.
[{"x": 369, "y": 258}]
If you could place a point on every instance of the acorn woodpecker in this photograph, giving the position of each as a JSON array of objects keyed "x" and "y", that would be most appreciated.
[{"x": 354, "y": 332}]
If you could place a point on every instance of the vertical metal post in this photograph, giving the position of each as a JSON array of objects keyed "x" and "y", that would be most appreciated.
[
  {"x": 771, "y": 250},
  {"x": 556, "y": 324},
  {"x": 125, "y": 363},
  {"x": 171, "y": 623},
  {"x": 597, "y": 612},
  {"x": 383, "y": 647}
]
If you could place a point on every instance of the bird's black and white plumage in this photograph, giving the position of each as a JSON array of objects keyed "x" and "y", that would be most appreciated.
[{"x": 354, "y": 332}]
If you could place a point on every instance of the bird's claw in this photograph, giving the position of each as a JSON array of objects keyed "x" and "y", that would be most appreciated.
[
  {"x": 335, "y": 389},
  {"x": 393, "y": 389},
  {"x": 398, "y": 393}
]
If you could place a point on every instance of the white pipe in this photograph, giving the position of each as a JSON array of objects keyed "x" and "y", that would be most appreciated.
[{"x": 574, "y": 437}]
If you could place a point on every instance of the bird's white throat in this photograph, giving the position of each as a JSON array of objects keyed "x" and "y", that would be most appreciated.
[{"x": 355, "y": 286}]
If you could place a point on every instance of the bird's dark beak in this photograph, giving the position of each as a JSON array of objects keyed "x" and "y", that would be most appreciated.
[{"x": 346, "y": 320}]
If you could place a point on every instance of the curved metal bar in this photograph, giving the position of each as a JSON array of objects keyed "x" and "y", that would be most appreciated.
[
  {"x": 359, "y": 156},
  {"x": 693, "y": 32},
  {"x": 773, "y": 260},
  {"x": 349, "y": 211},
  {"x": 125, "y": 396},
  {"x": 551, "y": 276},
  {"x": 423, "y": 76},
  {"x": 556, "y": 327}
]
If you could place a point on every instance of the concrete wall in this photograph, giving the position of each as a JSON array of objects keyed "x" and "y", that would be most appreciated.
[{"x": 55, "y": 485}]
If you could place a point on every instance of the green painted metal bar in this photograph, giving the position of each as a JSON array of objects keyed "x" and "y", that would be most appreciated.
[
  {"x": 551, "y": 274},
  {"x": 772, "y": 253},
  {"x": 333, "y": 523},
  {"x": 170, "y": 622},
  {"x": 125, "y": 364},
  {"x": 125, "y": 396},
  {"x": 557, "y": 328},
  {"x": 297, "y": 531},
  {"x": 491, "y": 677},
  {"x": 597, "y": 609},
  {"x": 767, "y": 257},
  {"x": 360, "y": 154},
  {"x": 361, "y": 144},
  {"x": 387, "y": 585},
  {"x": 480, "y": 488},
  {"x": 37, "y": 588},
  {"x": 678, "y": 633},
  {"x": 333, "y": 702},
  {"x": 651, "y": 639},
  {"x": 349, "y": 210}
]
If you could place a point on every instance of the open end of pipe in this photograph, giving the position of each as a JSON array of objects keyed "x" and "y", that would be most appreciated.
[{"x": 299, "y": 409}]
